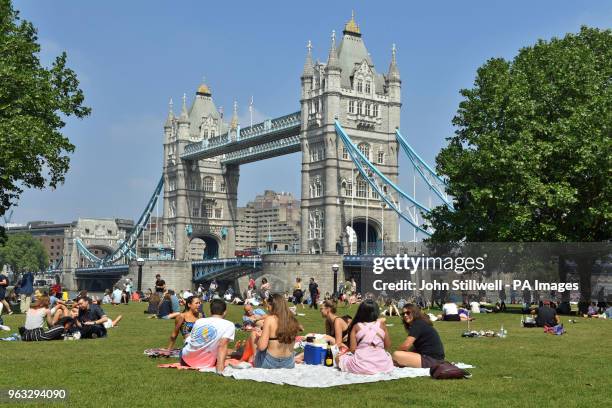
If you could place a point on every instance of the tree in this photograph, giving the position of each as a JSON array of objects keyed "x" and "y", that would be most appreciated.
[
  {"x": 23, "y": 253},
  {"x": 531, "y": 158},
  {"x": 33, "y": 102}
]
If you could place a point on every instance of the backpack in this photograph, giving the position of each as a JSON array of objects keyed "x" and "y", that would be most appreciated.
[{"x": 447, "y": 371}]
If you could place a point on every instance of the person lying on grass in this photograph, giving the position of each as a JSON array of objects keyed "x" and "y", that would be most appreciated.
[
  {"x": 368, "y": 339},
  {"x": 184, "y": 322},
  {"x": 207, "y": 346},
  {"x": 276, "y": 342},
  {"x": 423, "y": 347}
]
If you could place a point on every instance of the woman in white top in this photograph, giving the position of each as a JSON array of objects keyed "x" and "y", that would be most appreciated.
[{"x": 36, "y": 316}]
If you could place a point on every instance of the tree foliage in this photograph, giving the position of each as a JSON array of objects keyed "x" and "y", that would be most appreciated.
[
  {"x": 23, "y": 253},
  {"x": 34, "y": 102},
  {"x": 531, "y": 158}
]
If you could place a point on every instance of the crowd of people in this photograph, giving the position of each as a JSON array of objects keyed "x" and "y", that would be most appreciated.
[{"x": 361, "y": 342}]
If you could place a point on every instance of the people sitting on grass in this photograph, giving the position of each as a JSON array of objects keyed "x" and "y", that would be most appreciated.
[
  {"x": 546, "y": 315},
  {"x": 176, "y": 305},
  {"x": 592, "y": 310},
  {"x": 183, "y": 323},
  {"x": 368, "y": 339},
  {"x": 336, "y": 328},
  {"x": 116, "y": 296},
  {"x": 91, "y": 319},
  {"x": 153, "y": 305},
  {"x": 164, "y": 311},
  {"x": 109, "y": 323},
  {"x": 107, "y": 299},
  {"x": 253, "y": 317},
  {"x": 275, "y": 343},
  {"x": 37, "y": 315},
  {"x": 207, "y": 345},
  {"x": 608, "y": 312},
  {"x": 423, "y": 347}
]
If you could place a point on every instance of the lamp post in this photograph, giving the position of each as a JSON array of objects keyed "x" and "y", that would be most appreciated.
[
  {"x": 335, "y": 268},
  {"x": 140, "y": 262}
]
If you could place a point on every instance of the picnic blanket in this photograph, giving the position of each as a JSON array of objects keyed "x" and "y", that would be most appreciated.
[{"x": 311, "y": 376}]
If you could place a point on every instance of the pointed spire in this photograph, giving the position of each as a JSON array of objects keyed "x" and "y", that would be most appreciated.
[
  {"x": 394, "y": 74},
  {"x": 184, "y": 116},
  {"x": 234, "y": 122},
  {"x": 332, "y": 61},
  {"x": 170, "y": 114},
  {"x": 308, "y": 65}
]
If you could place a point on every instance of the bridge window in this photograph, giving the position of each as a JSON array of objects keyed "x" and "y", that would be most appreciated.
[
  {"x": 368, "y": 87},
  {"x": 368, "y": 110},
  {"x": 351, "y": 106},
  {"x": 222, "y": 187},
  {"x": 345, "y": 154},
  {"x": 362, "y": 188},
  {"x": 195, "y": 208},
  {"x": 208, "y": 210},
  {"x": 374, "y": 194},
  {"x": 360, "y": 108},
  {"x": 171, "y": 183},
  {"x": 380, "y": 159},
  {"x": 375, "y": 110},
  {"x": 218, "y": 212},
  {"x": 365, "y": 149},
  {"x": 359, "y": 86},
  {"x": 347, "y": 188},
  {"x": 212, "y": 133},
  {"x": 315, "y": 225},
  {"x": 209, "y": 184},
  {"x": 192, "y": 183}
]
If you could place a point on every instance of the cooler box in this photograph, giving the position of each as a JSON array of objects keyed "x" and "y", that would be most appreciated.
[{"x": 314, "y": 355}]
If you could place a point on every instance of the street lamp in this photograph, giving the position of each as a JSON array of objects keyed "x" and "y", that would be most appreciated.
[
  {"x": 140, "y": 262},
  {"x": 335, "y": 268}
]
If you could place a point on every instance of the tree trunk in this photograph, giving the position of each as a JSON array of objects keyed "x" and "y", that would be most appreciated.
[
  {"x": 584, "y": 264},
  {"x": 565, "y": 296}
]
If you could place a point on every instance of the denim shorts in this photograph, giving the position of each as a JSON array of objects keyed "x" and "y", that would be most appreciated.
[{"x": 265, "y": 360}]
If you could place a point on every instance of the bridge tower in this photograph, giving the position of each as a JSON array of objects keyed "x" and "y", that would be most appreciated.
[
  {"x": 367, "y": 104},
  {"x": 200, "y": 196}
]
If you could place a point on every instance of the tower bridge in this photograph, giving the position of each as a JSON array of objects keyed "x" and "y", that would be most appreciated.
[{"x": 347, "y": 130}]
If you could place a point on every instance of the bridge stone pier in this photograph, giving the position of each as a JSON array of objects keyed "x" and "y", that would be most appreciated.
[{"x": 203, "y": 154}]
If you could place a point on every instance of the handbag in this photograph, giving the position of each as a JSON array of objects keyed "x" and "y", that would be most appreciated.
[{"x": 447, "y": 371}]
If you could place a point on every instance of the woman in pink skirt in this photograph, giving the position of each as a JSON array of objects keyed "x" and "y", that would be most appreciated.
[{"x": 368, "y": 340}]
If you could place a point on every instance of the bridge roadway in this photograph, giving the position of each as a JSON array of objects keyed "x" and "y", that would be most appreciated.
[
  {"x": 209, "y": 269},
  {"x": 270, "y": 138}
]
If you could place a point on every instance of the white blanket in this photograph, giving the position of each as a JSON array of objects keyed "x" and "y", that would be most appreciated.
[{"x": 310, "y": 376}]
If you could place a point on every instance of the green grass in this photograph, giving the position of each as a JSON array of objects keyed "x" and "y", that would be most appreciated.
[{"x": 528, "y": 368}]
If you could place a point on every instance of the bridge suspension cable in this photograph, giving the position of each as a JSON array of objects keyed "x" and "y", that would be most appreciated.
[
  {"x": 372, "y": 174},
  {"x": 126, "y": 247},
  {"x": 435, "y": 182}
]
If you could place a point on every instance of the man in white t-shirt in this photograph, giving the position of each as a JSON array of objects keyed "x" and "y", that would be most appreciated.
[
  {"x": 475, "y": 306},
  {"x": 450, "y": 312},
  {"x": 207, "y": 344}
]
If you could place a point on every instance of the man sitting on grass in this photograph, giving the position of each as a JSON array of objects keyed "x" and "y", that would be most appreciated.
[
  {"x": 91, "y": 319},
  {"x": 546, "y": 315},
  {"x": 210, "y": 336},
  {"x": 253, "y": 317}
]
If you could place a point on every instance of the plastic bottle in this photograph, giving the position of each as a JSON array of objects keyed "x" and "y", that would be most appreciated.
[{"x": 502, "y": 332}]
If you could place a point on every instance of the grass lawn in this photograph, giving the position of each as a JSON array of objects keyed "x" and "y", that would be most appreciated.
[{"x": 528, "y": 368}]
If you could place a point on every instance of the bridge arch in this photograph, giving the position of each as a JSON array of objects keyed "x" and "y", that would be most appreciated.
[
  {"x": 366, "y": 229},
  {"x": 204, "y": 246}
]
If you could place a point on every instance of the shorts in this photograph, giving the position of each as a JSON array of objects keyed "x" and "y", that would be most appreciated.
[
  {"x": 451, "y": 318},
  {"x": 265, "y": 360},
  {"x": 108, "y": 324},
  {"x": 428, "y": 361}
]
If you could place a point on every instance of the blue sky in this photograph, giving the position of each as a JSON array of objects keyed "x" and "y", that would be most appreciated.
[{"x": 132, "y": 56}]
